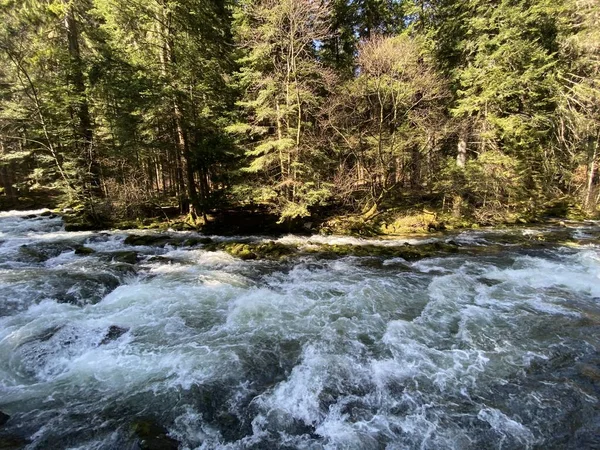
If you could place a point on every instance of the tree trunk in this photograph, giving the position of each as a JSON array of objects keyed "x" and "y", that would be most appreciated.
[
  {"x": 590, "y": 178},
  {"x": 461, "y": 162},
  {"x": 461, "y": 155},
  {"x": 184, "y": 154},
  {"x": 84, "y": 131}
]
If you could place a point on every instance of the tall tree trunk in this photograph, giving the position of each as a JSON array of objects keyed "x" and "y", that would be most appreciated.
[
  {"x": 184, "y": 154},
  {"x": 461, "y": 162},
  {"x": 84, "y": 131},
  {"x": 591, "y": 175},
  {"x": 461, "y": 154}
]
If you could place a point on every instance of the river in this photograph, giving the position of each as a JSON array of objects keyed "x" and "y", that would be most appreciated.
[{"x": 131, "y": 347}]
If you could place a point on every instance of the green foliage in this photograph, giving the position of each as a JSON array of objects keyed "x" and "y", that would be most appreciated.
[{"x": 488, "y": 109}]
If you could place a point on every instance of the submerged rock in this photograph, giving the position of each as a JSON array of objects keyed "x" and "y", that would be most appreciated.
[
  {"x": 590, "y": 372},
  {"x": 191, "y": 242},
  {"x": 125, "y": 257},
  {"x": 152, "y": 436},
  {"x": 163, "y": 260},
  {"x": 84, "y": 251},
  {"x": 42, "y": 252},
  {"x": 124, "y": 269},
  {"x": 85, "y": 288},
  {"x": 114, "y": 332},
  {"x": 30, "y": 254},
  {"x": 12, "y": 442},
  {"x": 48, "y": 333}
]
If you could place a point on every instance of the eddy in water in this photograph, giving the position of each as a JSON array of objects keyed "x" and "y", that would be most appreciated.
[{"x": 167, "y": 341}]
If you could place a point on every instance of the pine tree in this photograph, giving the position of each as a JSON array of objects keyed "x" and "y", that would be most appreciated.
[{"x": 284, "y": 83}]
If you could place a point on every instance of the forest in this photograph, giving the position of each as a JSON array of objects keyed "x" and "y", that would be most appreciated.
[{"x": 358, "y": 115}]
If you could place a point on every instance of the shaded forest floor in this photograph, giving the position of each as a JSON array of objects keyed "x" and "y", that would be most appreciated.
[
  {"x": 407, "y": 216},
  {"x": 417, "y": 218}
]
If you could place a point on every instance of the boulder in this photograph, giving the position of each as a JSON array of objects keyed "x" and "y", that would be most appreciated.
[
  {"x": 83, "y": 288},
  {"x": 124, "y": 257},
  {"x": 84, "y": 251},
  {"x": 41, "y": 252},
  {"x": 147, "y": 240},
  {"x": 248, "y": 251}
]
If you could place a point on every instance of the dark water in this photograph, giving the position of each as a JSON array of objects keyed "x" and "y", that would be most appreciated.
[{"x": 496, "y": 351}]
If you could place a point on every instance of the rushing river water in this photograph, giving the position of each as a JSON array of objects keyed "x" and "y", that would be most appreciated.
[{"x": 495, "y": 351}]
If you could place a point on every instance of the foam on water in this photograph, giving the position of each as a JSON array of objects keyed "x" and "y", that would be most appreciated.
[{"x": 455, "y": 352}]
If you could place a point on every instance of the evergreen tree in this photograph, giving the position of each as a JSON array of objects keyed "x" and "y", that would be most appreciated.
[{"x": 284, "y": 84}]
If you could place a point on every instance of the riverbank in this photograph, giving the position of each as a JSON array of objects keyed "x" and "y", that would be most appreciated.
[{"x": 395, "y": 222}]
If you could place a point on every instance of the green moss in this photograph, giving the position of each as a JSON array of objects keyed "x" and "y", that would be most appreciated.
[
  {"x": 247, "y": 251},
  {"x": 413, "y": 222},
  {"x": 349, "y": 226},
  {"x": 408, "y": 252}
]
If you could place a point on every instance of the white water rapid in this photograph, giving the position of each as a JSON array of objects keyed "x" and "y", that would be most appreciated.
[{"x": 494, "y": 350}]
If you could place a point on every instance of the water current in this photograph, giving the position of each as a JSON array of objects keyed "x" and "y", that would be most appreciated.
[{"x": 485, "y": 350}]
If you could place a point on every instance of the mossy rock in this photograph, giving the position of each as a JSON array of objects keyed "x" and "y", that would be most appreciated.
[
  {"x": 84, "y": 251},
  {"x": 419, "y": 222},
  {"x": 239, "y": 250},
  {"x": 349, "y": 225},
  {"x": 248, "y": 251},
  {"x": 407, "y": 252},
  {"x": 147, "y": 240}
]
